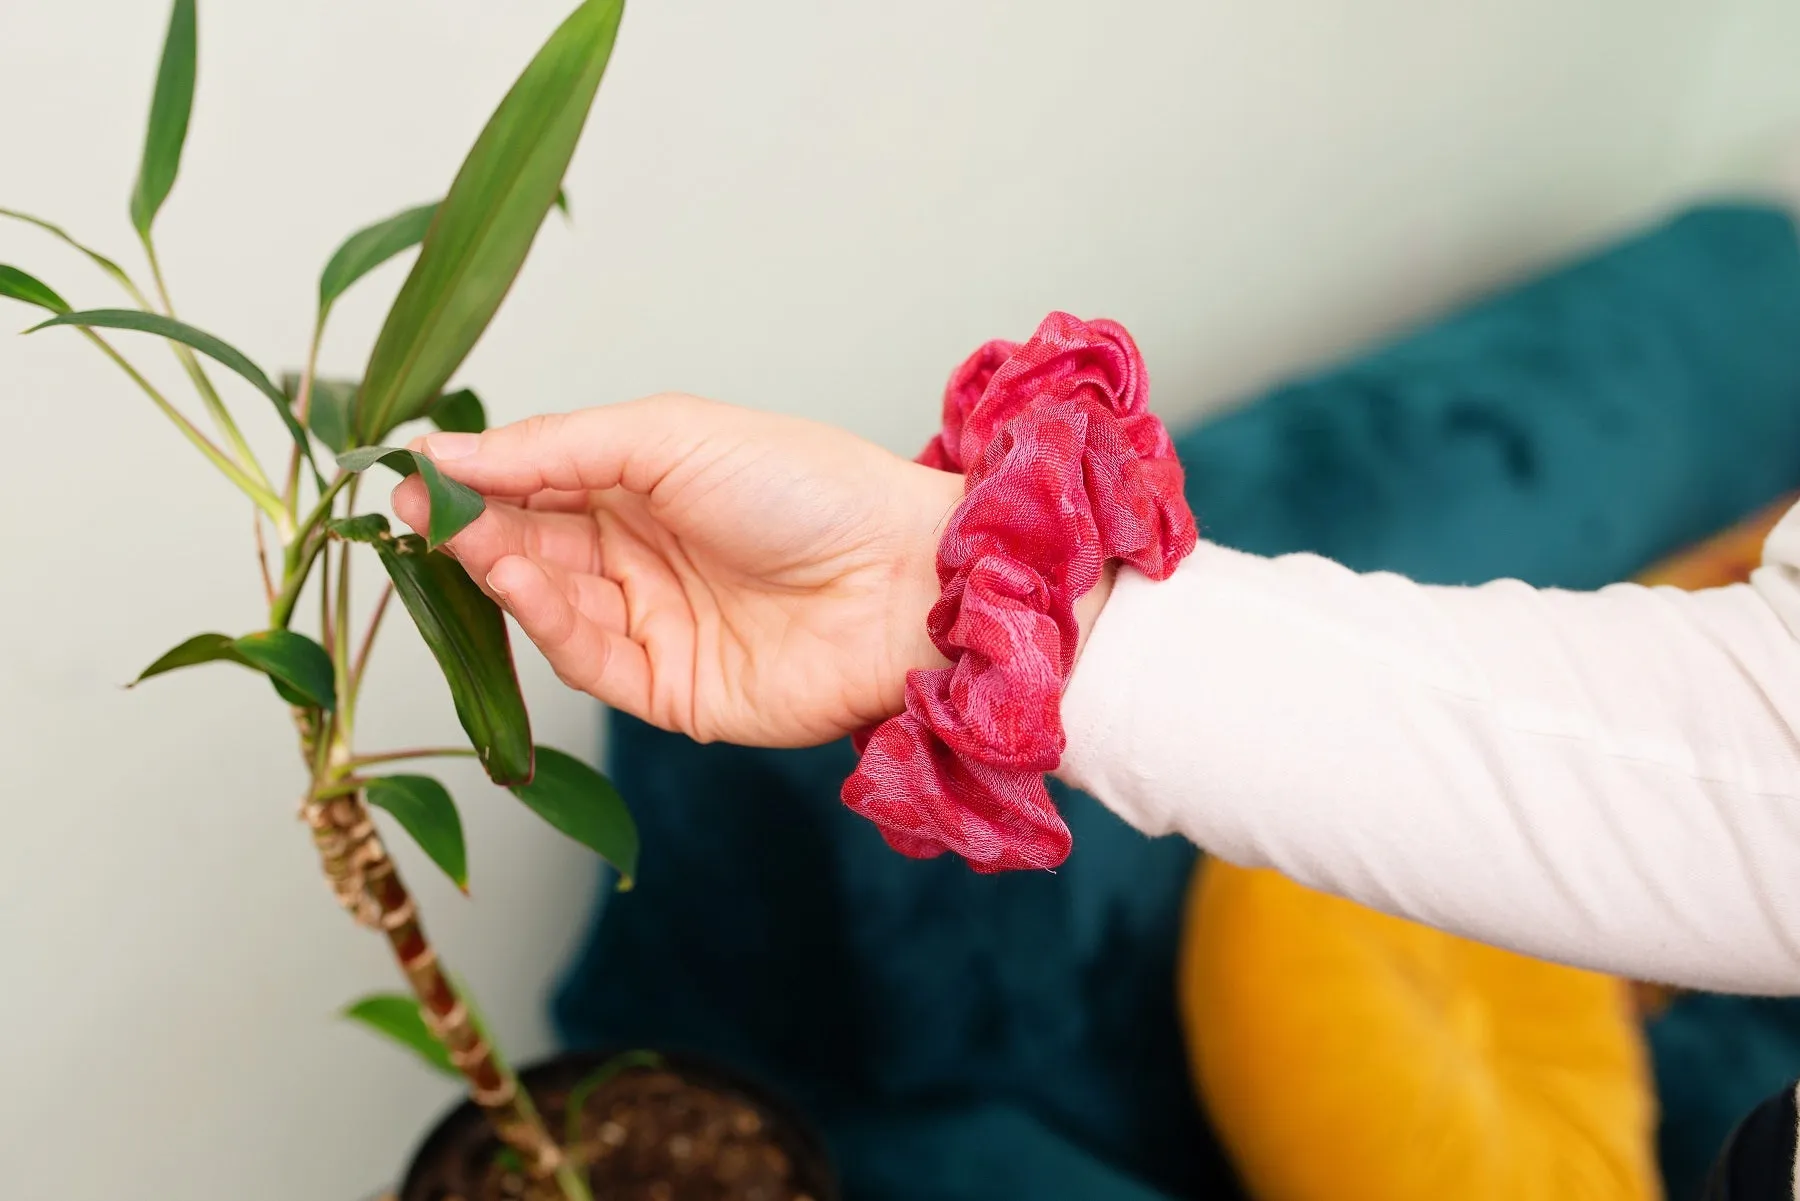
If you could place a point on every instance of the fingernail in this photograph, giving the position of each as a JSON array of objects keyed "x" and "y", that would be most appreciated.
[
  {"x": 495, "y": 588},
  {"x": 452, "y": 446}
]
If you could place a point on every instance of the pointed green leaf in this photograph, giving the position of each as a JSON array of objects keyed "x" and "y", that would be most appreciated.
[
  {"x": 399, "y": 1018},
  {"x": 17, "y": 285},
  {"x": 365, "y": 527},
  {"x": 467, "y": 636},
  {"x": 105, "y": 264},
  {"x": 328, "y": 413},
  {"x": 299, "y": 667},
  {"x": 453, "y": 505},
  {"x": 562, "y": 205},
  {"x": 295, "y": 660},
  {"x": 367, "y": 249},
  {"x": 458, "y": 412},
  {"x": 200, "y": 340},
  {"x": 424, "y": 810},
  {"x": 487, "y": 223},
  {"x": 201, "y": 648},
  {"x": 333, "y": 404},
  {"x": 170, "y": 108},
  {"x": 583, "y": 804}
]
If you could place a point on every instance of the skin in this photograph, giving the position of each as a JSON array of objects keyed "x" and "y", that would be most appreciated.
[{"x": 723, "y": 573}]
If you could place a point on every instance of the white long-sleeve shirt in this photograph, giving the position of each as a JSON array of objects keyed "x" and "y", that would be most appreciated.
[{"x": 1606, "y": 779}]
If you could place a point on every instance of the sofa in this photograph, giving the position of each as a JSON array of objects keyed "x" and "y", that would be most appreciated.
[{"x": 961, "y": 1036}]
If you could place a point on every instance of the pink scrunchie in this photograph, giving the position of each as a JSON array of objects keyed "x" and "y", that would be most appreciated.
[{"x": 1065, "y": 469}]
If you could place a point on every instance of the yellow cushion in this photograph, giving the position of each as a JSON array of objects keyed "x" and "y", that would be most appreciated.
[
  {"x": 1727, "y": 557},
  {"x": 1349, "y": 1056}
]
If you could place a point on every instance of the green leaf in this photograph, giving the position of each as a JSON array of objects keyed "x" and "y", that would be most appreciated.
[
  {"x": 295, "y": 660},
  {"x": 487, "y": 223},
  {"x": 453, "y": 505},
  {"x": 401, "y": 1019},
  {"x": 17, "y": 285},
  {"x": 170, "y": 108},
  {"x": 367, "y": 249},
  {"x": 583, "y": 804},
  {"x": 105, "y": 264},
  {"x": 467, "y": 636},
  {"x": 333, "y": 402},
  {"x": 562, "y": 205},
  {"x": 200, "y": 340},
  {"x": 458, "y": 412},
  {"x": 328, "y": 414},
  {"x": 299, "y": 667},
  {"x": 424, "y": 810},
  {"x": 365, "y": 527},
  {"x": 201, "y": 648}
]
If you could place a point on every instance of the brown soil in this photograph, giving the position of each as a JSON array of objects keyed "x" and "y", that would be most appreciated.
[{"x": 646, "y": 1134}]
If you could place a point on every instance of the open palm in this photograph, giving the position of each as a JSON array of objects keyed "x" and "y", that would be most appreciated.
[{"x": 727, "y": 574}]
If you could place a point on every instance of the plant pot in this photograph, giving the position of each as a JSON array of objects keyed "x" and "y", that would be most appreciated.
[{"x": 689, "y": 1130}]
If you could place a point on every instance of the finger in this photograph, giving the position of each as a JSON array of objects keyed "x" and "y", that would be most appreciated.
[
  {"x": 417, "y": 505},
  {"x": 564, "y": 502},
  {"x": 585, "y": 655},
  {"x": 411, "y": 503},
  {"x": 567, "y": 540},
  {"x": 599, "y": 600},
  {"x": 632, "y": 445}
]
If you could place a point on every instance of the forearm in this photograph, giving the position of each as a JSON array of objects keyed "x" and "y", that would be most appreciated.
[{"x": 1603, "y": 779}]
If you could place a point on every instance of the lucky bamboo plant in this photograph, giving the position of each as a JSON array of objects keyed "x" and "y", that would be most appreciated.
[{"x": 472, "y": 246}]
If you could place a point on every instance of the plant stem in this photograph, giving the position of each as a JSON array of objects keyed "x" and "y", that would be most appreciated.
[
  {"x": 322, "y": 509},
  {"x": 327, "y": 631},
  {"x": 345, "y": 787},
  {"x": 324, "y": 746},
  {"x": 365, "y": 878},
  {"x": 298, "y": 565},
  {"x": 340, "y": 646},
  {"x": 302, "y": 548},
  {"x": 368, "y": 882},
  {"x": 265, "y": 499},
  {"x": 290, "y": 493},
  {"x": 209, "y": 395},
  {"x": 569, "y": 1179},
  {"x": 340, "y": 626},
  {"x": 262, "y": 562},
  {"x": 368, "y": 641},
  {"x": 332, "y": 730},
  {"x": 417, "y": 752}
]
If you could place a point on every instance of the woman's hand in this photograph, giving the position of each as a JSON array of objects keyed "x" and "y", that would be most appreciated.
[{"x": 723, "y": 573}]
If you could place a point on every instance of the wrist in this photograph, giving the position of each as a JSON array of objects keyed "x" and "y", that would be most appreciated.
[
  {"x": 1067, "y": 470},
  {"x": 942, "y": 491},
  {"x": 935, "y": 497},
  {"x": 1087, "y": 609}
]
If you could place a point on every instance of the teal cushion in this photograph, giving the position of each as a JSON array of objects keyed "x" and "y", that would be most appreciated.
[
  {"x": 1716, "y": 1059},
  {"x": 1567, "y": 433}
]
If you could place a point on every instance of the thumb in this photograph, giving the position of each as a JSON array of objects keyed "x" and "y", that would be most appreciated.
[{"x": 631, "y": 446}]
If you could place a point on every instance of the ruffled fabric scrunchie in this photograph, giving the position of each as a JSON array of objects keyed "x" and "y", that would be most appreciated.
[{"x": 1065, "y": 471}]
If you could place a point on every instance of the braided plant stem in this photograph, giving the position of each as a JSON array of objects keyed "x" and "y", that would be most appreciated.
[{"x": 367, "y": 883}]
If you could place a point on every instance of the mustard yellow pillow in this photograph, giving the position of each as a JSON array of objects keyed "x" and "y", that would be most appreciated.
[{"x": 1348, "y": 1056}]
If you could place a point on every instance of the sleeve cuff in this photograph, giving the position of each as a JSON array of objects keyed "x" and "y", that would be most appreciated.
[{"x": 1097, "y": 708}]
